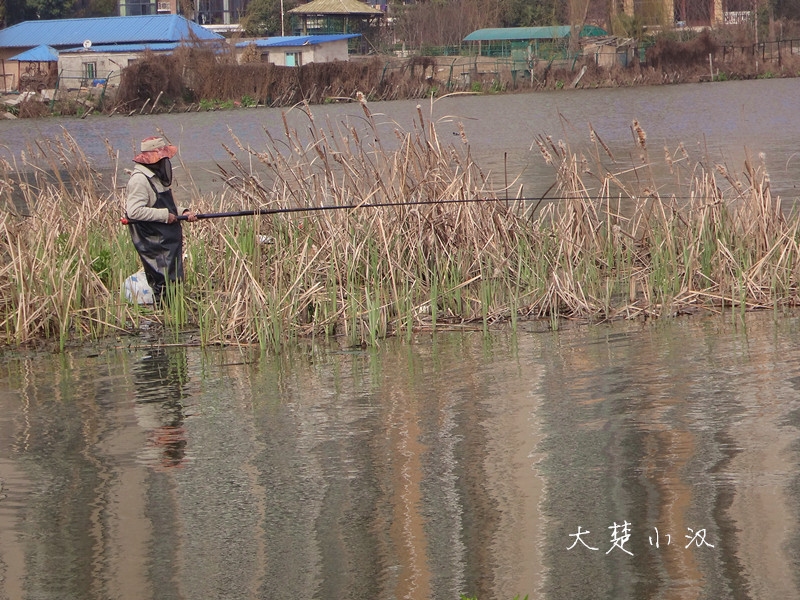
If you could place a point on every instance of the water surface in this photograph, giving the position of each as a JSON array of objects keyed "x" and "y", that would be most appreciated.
[
  {"x": 664, "y": 455},
  {"x": 719, "y": 123}
]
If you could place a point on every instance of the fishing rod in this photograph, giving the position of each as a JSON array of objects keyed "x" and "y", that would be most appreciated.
[{"x": 295, "y": 209}]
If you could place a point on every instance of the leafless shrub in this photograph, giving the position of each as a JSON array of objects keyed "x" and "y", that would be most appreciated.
[
  {"x": 250, "y": 54},
  {"x": 148, "y": 77},
  {"x": 30, "y": 109},
  {"x": 668, "y": 53},
  {"x": 444, "y": 23}
]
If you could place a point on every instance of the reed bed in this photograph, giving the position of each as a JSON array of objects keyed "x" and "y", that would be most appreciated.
[{"x": 608, "y": 243}]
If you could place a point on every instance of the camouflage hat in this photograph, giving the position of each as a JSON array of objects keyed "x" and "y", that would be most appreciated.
[{"x": 154, "y": 149}]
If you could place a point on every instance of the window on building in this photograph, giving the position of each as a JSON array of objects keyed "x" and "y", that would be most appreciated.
[
  {"x": 294, "y": 59},
  {"x": 89, "y": 74},
  {"x": 130, "y": 8}
]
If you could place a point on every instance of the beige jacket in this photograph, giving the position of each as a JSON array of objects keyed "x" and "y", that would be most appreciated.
[{"x": 140, "y": 197}]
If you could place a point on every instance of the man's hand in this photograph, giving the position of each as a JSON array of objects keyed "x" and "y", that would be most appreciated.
[
  {"x": 171, "y": 219},
  {"x": 190, "y": 216}
]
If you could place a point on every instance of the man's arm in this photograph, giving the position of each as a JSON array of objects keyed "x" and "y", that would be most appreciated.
[{"x": 137, "y": 202}]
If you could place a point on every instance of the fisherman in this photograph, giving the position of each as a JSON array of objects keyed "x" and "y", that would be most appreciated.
[{"x": 153, "y": 217}]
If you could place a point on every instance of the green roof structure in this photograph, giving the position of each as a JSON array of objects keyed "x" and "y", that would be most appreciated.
[
  {"x": 516, "y": 34},
  {"x": 523, "y": 46}
]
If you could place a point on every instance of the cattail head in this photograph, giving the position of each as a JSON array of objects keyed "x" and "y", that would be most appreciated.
[
  {"x": 548, "y": 158},
  {"x": 641, "y": 136},
  {"x": 462, "y": 133}
]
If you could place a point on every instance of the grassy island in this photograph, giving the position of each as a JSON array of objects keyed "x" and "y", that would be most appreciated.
[{"x": 605, "y": 243}]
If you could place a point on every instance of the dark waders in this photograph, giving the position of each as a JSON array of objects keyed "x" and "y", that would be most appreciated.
[{"x": 160, "y": 246}]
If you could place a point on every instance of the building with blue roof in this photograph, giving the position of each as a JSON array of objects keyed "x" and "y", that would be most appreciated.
[
  {"x": 71, "y": 33},
  {"x": 297, "y": 50},
  {"x": 43, "y": 53},
  {"x": 36, "y": 68},
  {"x": 92, "y": 49}
]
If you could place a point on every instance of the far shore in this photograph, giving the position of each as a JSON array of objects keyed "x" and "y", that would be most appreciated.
[{"x": 185, "y": 87}]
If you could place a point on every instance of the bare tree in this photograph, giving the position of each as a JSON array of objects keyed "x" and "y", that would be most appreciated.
[
  {"x": 577, "y": 19},
  {"x": 443, "y": 23},
  {"x": 187, "y": 9}
]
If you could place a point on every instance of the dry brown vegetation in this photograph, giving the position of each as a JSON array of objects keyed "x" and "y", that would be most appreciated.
[
  {"x": 151, "y": 76},
  {"x": 606, "y": 245},
  {"x": 31, "y": 109},
  {"x": 669, "y": 54},
  {"x": 195, "y": 74}
]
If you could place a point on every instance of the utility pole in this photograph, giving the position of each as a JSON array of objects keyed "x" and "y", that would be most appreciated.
[{"x": 755, "y": 23}]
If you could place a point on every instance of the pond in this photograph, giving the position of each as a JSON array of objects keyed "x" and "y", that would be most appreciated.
[
  {"x": 627, "y": 461},
  {"x": 721, "y": 123}
]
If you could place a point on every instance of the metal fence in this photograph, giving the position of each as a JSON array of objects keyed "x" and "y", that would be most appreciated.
[
  {"x": 518, "y": 52},
  {"x": 765, "y": 51}
]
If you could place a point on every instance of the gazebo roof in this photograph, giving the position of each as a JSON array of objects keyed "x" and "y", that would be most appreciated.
[
  {"x": 336, "y": 7},
  {"x": 43, "y": 53}
]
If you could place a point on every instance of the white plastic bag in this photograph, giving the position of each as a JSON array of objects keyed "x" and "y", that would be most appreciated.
[{"x": 137, "y": 289}]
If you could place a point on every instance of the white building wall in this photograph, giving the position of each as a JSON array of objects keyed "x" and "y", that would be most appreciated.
[
  {"x": 72, "y": 66},
  {"x": 331, "y": 51},
  {"x": 107, "y": 65},
  {"x": 326, "y": 52}
]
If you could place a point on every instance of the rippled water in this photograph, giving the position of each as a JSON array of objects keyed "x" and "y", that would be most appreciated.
[
  {"x": 717, "y": 123},
  {"x": 665, "y": 456}
]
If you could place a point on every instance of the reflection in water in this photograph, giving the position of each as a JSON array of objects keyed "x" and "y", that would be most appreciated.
[
  {"x": 453, "y": 464},
  {"x": 159, "y": 379}
]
